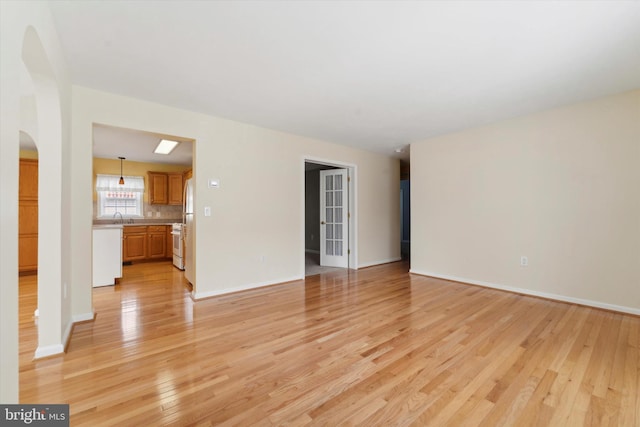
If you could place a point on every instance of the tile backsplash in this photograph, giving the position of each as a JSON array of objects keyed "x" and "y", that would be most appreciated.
[{"x": 155, "y": 212}]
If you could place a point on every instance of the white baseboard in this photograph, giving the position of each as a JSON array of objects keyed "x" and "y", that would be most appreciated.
[
  {"x": 312, "y": 251},
  {"x": 382, "y": 261},
  {"x": 48, "y": 350},
  {"x": 556, "y": 297},
  {"x": 51, "y": 350},
  {"x": 83, "y": 317},
  {"x": 202, "y": 295},
  {"x": 66, "y": 336}
]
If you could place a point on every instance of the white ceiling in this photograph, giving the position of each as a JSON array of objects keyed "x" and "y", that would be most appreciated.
[
  {"x": 371, "y": 74},
  {"x": 111, "y": 142},
  {"x": 134, "y": 145}
]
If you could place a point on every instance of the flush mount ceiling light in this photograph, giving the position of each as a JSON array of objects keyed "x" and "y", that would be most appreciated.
[
  {"x": 399, "y": 150},
  {"x": 121, "y": 182},
  {"x": 165, "y": 146}
]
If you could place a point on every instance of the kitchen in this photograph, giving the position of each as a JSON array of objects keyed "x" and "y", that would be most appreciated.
[{"x": 141, "y": 201}]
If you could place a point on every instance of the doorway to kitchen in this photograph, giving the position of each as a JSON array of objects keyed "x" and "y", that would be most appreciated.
[
  {"x": 141, "y": 189},
  {"x": 329, "y": 216}
]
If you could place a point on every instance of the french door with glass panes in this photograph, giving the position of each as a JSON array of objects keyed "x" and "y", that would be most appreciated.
[{"x": 334, "y": 222}]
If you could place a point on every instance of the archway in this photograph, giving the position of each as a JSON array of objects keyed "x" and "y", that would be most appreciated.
[{"x": 48, "y": 128}]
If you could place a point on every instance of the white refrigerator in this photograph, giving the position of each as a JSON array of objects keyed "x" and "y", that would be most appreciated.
[{"x": 187, "y": 231}]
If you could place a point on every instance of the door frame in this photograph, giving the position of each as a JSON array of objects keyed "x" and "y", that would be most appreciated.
[{"x": 353, "y": 208}]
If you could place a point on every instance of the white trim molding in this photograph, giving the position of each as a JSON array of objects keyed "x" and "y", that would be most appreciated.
[
  {"x": 379, "y": 262},
  {"x": 48, "y": 350},
  {"x": 196, "y": 296},
  {"x": 52, "y": 350},
  {"x": 83, "y": 317},
  {"x": 555, "y": 297},
  {"x": 353, "y": 206}
]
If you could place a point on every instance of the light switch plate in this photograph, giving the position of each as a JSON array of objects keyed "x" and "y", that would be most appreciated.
[{"x": 207, "y": 211}]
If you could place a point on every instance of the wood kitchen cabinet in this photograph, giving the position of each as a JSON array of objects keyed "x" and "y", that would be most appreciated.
[
  {"x": 158, "y": 188},
  {"x": 28, "y": 216},
  {"x": 134, "y": 243},
  {"x": 165, "y": 188},
  {"x": 147, "y": 243},
  {"x": 157, "y": 241},
  {"x": 174, "y": 192},
  {"x": 28, "y": 185}
]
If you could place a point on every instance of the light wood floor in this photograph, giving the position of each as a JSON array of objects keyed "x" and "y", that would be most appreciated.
[{"x": 374, "y": 347}]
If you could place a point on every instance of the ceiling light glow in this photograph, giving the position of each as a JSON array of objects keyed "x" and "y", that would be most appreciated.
[{"x": 165, "y": 146}]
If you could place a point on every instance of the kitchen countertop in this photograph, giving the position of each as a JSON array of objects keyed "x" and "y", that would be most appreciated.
[
  {"x": 106, "y": 223},
  {"x": 106, "y": 226}
]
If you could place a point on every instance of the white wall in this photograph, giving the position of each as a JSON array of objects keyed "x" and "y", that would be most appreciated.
[
  {"x": 258, "y": 210},
  {"x": 561, "y": 187},
  {"x": 28, "y": 33}
]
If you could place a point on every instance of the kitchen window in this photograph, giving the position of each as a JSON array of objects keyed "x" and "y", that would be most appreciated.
[{"x": 114, "y": 198}]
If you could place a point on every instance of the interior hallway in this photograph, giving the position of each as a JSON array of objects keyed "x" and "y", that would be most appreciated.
[{"x": 312, "y": 265}]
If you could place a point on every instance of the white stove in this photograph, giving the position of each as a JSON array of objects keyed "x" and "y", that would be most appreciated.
[{"x": 178, "y": 245}]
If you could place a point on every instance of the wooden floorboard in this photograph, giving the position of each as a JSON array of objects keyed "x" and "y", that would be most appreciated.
[{"x": 375, "y": 347}]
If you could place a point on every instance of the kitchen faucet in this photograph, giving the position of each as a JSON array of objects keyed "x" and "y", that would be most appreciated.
[{"x": 121, "y": 219}]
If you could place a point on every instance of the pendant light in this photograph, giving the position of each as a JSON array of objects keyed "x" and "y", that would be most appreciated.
[{"x": 121, "y": 182}]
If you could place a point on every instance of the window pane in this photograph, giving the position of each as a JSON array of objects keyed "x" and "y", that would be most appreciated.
[
  {"x": 329, "y": 231},
  {"x": 329, "y": 215},
  {"x": 338, "y": 182},
  {"x": 338, "y": 198},
  {"x": 329, "y": 198},
  {"x": 338, "y": 230},
  {"x": 112, "y": 203},
  {"x": 338, "y": 248},
  {"x": 329, "y": 182},
  {"x": 329, "y": 247},
  {"x": 338, "y": 216}
]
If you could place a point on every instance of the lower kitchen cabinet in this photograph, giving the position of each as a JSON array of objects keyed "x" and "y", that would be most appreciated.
[
  {"x": 134, "y": 244},
  {"x": 144, "y": 243},
  {"x": 157, "y": 241},
  {"x": 28, "y": 253}
]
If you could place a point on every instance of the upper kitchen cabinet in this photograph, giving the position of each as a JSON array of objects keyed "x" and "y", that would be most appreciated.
[
  {"x": 165, "y": 188},
  {"x": 158, "y": 187},
  {"x": 174, "y": 193}
]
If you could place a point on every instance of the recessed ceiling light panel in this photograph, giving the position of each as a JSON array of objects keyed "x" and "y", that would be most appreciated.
[{"x": 165, "y": 146}]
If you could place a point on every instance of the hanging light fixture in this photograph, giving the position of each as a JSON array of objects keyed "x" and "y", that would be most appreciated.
[{"x": 121, "y": 182}]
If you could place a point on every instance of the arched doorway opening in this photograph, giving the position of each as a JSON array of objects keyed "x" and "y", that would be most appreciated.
[{"x": 41, "y": 116}]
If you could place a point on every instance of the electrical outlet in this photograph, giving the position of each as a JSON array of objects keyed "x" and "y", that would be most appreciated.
[{"x": 524, "y": 261}]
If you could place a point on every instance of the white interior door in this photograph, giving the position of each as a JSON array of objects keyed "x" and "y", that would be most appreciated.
[{"x": 334, "y": 223}]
